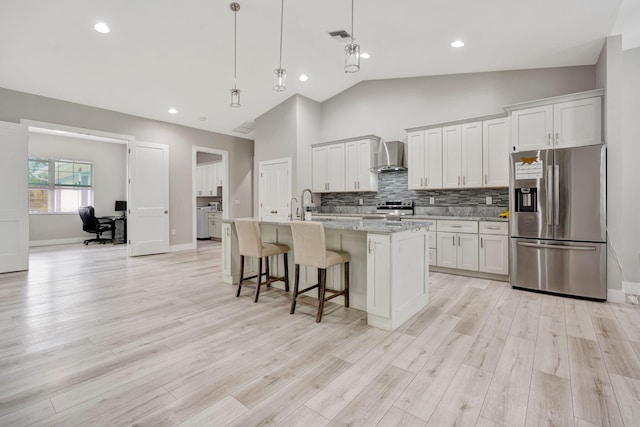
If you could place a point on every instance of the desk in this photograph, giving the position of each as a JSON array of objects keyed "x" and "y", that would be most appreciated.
[{"x": 119, "y": 232}]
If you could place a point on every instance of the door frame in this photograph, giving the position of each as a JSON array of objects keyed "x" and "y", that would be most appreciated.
[{"x": 225, "y": 188}]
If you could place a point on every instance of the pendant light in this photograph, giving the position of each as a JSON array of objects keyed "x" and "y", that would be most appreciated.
[
  {"x": 235, "y": 92},
  {"x": 352, "y": 52},
  {"x": 280, "y": 74}
]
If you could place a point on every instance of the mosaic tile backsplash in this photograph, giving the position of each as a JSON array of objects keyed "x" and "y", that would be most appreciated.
[{"x": 393, "y": 186}]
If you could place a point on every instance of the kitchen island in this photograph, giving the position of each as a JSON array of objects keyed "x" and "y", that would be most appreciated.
[{"x": 389, "y": 265}]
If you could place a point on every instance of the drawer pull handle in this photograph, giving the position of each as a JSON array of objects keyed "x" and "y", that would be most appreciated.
[{"x": 493, "y": 228}]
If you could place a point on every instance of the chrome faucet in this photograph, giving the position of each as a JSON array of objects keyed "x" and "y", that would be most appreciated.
[
  {"x": 302, "y": 207},
  {"x": 291, "y": 209}
]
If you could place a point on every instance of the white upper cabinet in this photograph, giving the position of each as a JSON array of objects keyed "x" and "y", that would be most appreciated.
[
  {"x": 577, "y": 123},
  {"x": 208, "y": 178},
  {"x": 567, "y": 121},
  {"x": 425, "y": 159},
  {"x": 472, "y": 154},
  {"x": 452, "y": 156},
  {"x": 359, "y": 158},
  {"x": 344, "y": 166},
  {"x": 495, "y": 152}
]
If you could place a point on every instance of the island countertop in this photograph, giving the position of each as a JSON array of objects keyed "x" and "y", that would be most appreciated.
[{"x": 376, "y": 226}]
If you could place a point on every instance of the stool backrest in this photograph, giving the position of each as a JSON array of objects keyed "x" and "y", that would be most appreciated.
[
  {"x": 309, "y": 243},
  {"x": 249, "y": 240}
]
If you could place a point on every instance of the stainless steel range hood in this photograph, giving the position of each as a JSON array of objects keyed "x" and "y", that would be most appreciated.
[{"x": 390, "y": 157}]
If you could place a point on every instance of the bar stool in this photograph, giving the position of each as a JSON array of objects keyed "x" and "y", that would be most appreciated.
[
  {"x": 310, "y": 249},
  {"x": 250, "y": 244}
]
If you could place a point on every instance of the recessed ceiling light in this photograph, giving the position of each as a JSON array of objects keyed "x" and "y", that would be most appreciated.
[
  {"x": 173, "y": 111},
  {"x": 102, "y": 28},
  {"x": 457, "y": 43},
  {"x": 365, "y": 55},
  {"x": 303, "y": 77}
]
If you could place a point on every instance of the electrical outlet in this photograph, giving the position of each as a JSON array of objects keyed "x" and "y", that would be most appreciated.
[
  {"x": 236, "y": 202},
  {"x": 489, "y": 200},
  {"x": 173, "y": 231},
  {"x": 361, "y": 202},
  {"x": 432, "y": 200}
]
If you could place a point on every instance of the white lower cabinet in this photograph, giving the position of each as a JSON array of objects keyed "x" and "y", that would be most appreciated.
[
  {"x": 457, "y": 250},
  {"x": 494, "y": 254},
  {"x": 378, "y": 274}
]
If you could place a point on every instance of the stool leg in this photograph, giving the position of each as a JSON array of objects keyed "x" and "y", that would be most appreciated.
[
  {"x": 259, "y": 278},
  {"x": 286, "y": 272},
  {"x": 268, "y": 274},
  {"x": 319, "y": 281},
  {"x": 241, "y": 275},
  {"x": 346, "y": 284},
  {"x": 321, "y": 292},
  {"x": 296, "y": 280}
]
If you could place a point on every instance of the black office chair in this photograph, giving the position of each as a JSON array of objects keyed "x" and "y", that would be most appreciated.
[{"x": 91, "y": 224}]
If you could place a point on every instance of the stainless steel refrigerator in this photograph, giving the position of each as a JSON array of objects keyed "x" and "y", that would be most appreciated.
[{"x": 558, "y": 221}]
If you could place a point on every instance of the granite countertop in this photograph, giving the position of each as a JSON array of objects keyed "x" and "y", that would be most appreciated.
[
  {"x": 418, "y": 217},
  {"x": 378, "y": 226}
]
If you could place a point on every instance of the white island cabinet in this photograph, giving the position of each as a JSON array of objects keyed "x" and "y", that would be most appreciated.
[{"x": 389, "y": 270}]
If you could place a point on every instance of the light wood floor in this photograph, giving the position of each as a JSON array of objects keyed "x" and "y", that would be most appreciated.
[{"x": 91, "y": 337}]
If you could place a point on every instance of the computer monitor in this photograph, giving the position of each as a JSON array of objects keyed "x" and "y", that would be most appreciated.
[{"x": 121, "y": 206}]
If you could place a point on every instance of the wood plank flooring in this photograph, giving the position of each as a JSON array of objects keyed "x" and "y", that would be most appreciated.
[{"x": 91, "y": 337}]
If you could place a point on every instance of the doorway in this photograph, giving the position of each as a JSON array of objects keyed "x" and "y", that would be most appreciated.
[{"x": 210, "y": 184}]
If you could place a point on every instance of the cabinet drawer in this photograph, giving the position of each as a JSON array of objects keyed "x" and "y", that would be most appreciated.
[
  {"x": 430, "y": 223},
  {"x": 494, "y": 227},
  {"x": 453, "y": 226}
]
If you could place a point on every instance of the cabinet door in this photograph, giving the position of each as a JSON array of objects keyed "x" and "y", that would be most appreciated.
[
  {"x": 212, "y": 175},
  {"x": 433, "y": 158},
  {"x": 451, "y": 157},
  {"x": 494, "y": 254},
  {"x": 367, "y": 180},
  {"x": 471, "y": 154},
  {"x": 222, "y": 175},
  {"x": 467, "y": 253},
  {"x": 495, "y": 155},
  {"x": 531, "y": 128},
  {"x": 319, "y": 169},
  {"x": 577, "y": 123},
  {"x": 335, "y": 171},
  {"x": 379, "y": 275},
  {"x": 351, "y": 166},
  {"x": 200, "y": 172},
  {"x": 447, "y": 250},
  {"x": 416, "y": 159}
]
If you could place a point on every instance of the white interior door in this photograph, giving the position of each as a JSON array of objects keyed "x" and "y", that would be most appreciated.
[
  {"x": 14, "y": 209},
  {"x": 274, "y": 189},
  {"x": 148, "y": 220}
]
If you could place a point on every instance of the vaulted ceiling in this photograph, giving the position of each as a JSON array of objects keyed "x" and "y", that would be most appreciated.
[{"x": 179, "y": 53}]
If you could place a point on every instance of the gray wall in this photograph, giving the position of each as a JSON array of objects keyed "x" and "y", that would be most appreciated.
[
  {"x": 109, "y": 176},
  {"x": 630, "y": 171},
  {"x": 17, "y": 105},
  {"x": 387, "y": 107}
]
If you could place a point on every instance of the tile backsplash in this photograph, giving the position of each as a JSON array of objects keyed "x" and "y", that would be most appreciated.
[{"x": 393, "y": 186}]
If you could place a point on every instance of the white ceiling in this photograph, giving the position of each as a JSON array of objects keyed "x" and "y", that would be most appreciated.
[{"x": 179, "y": 53}]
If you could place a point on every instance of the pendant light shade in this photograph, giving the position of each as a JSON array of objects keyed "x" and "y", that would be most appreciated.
[
  {"x": 235, "y": 92},
  {"x": 280, "y": 74},
  {"x": 352, "y": 52}
]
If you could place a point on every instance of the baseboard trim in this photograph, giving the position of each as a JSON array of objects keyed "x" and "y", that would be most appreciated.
[
  {"x": 614, "y": 295},
  {"x": 35, "y": 243},
  {"x": 183, "y": 247}
]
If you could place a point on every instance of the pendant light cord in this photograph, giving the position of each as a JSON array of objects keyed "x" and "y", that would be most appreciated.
[
  {"x": 352, "y": 35},
  {"x": 281, "y": 25},
  {"x": 235, "y": 43}
]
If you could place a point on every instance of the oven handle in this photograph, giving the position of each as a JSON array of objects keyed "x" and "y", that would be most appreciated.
[{"x": 565, "y": 248}]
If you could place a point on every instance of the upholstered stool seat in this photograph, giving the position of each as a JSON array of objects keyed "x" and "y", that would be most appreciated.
[
  {"x": 310, "y": 249},
  {"x": 250, "y": 244}
]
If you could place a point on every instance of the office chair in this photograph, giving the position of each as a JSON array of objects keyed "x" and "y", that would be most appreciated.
[{"x": 91, "y": 224}]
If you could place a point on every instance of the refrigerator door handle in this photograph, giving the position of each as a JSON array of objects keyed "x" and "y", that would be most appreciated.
[
  {"x": 556, "y": 194},
  {"x": 549, "y": 205},
  {"x": 561, "y": 247}
]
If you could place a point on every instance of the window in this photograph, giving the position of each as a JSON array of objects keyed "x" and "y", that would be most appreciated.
[{"x": 59, "y": 185}]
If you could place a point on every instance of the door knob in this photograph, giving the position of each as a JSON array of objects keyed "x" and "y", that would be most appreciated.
[{"x": 166, "y": 212}]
